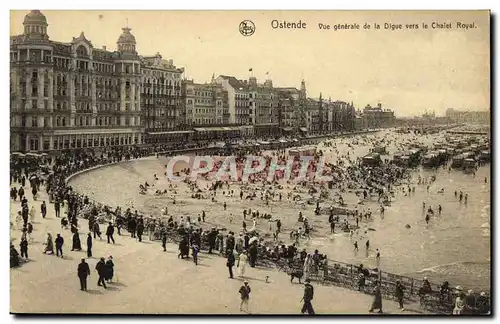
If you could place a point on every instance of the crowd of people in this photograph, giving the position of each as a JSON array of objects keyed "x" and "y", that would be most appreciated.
[{"x": 250, "y": 246}]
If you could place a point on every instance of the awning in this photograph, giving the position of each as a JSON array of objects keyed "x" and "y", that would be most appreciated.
[
  {"x": 210, "y": 129},
  {"x": 266, "y": 125},
  {"x": 170, "y": 132},
  {"x": 303, "y": 129},
  {"x": 288, "y": 129}
]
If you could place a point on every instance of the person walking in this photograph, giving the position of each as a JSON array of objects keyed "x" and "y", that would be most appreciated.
[
  {"x": 89, "y": 245},
  {"x": 43, "y": 209},
  {"x": 196, "y": 250},
  {"x": 400, "y": 294},
  {"x": 24, "y": 248},
  {"x": 377, "y": 298},
  {"x": 96, "y": 230},
  {"x": 59, "y": 244},
  {"x": 101, "y": 271},
  {"x": 164, "y": 241},
  {"x": 140, "y": 230},
  {"x": 230, "y": 262},
  {"x": 110, "y": 269},
  {"x": 308, "y": 297},
  {"x": 242, "y": 264},
  {"x": 109, "y": 232},
  {"x": 77, "y": 245},
  {"x": 83, "y": 272},
  {"x": 57, "y": 208},
  {"x": 245, "y": 291}
]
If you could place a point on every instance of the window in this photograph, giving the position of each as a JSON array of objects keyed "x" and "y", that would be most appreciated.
[
  {"x": 33, "y": 144},
  {"x": 34, "y": 122},
  {"x": 34, "y": 104}
]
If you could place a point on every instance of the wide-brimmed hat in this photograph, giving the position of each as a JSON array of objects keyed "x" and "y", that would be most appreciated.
[
  {"x": 245, "y": 281},
  {"x": 459, "y": 288}
]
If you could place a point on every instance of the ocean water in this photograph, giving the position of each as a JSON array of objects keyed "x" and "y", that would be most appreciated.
[{"x": 454, "y": 246}]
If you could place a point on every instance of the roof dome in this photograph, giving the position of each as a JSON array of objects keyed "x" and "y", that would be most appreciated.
[
  {"x": 35, "y": 17},
  {"x": 126, "y": 36}
]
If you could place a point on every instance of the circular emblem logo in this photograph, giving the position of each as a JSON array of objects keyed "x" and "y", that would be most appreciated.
[{"x": 247, "y": 28}]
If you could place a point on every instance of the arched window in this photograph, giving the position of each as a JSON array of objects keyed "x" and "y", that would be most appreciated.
[
  {"x": 58, "y": 121},
  {"x": 64, "y": 121},
  {"x": 81, "y": 51}
]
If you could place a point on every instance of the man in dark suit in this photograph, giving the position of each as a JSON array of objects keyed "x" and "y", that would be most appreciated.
[
  {"x": 109, "y": 232},
  {"x": 89, "y": 245},
  {"x": 230, "y": 262},
  {"x": 308, "y": 296},
  {"x": 59, "y": 244},
  {"x": 101, "y": 270},
  {"x": 83, "y": 273}
]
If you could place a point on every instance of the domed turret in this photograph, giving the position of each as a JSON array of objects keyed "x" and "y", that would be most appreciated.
[
  {"x": 126, "y": 41},
  {"x": 35, "y": 25},
  {"x": 35, "y": 17}
]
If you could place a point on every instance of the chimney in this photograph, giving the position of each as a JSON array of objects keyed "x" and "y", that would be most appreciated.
[{"x": 104, "y": 47}]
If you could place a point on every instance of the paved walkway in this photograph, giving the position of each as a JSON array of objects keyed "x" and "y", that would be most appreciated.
[{"x": 151, "y": 281}]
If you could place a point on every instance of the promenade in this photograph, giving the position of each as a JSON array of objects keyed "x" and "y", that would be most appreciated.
[{"x": 155, "y": 282}]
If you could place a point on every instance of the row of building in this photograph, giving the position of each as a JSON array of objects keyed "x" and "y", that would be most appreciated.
[
  {"x": 67, "y": 95},
  {"x": 469, "y": 116}
]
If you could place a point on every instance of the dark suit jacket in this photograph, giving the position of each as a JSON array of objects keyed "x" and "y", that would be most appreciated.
[{"x": 83, "y": 270}]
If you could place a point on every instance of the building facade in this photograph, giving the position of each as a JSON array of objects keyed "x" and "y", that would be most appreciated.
[
  {"x": 376, "y": 117},
  {"x": 71, "y": 95},
  {"x": 162, "y": 100},
  {"x": 206, "y": 103},
  {"x": 467, "y": 116},
  {"x": 238, "y": 99}
]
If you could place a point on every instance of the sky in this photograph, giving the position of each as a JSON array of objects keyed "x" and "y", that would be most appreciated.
[{"x": 408, "y": 71}]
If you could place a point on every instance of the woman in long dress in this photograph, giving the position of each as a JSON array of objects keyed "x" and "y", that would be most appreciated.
[
  {"x": 307, "y": 266},
  {"x": 49, "y": 245},
  {"x": 77, "y": 245},
  {"x": 32, "y": 213},
  {"x": 110, "y": 271},
  {"x": 377, "y": 298},
  {"x": 242, "y": 264}
]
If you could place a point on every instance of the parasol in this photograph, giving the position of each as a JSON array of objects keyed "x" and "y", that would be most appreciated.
[{"x": 253, "y": 239}]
